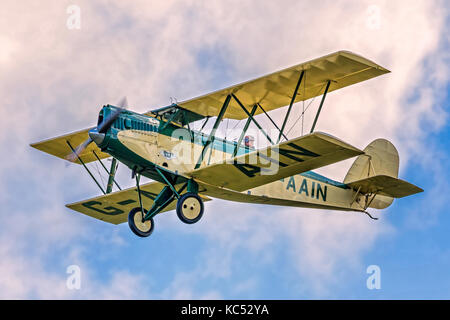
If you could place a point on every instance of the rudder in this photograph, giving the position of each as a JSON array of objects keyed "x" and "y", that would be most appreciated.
[{"x": 380, "y": 158}]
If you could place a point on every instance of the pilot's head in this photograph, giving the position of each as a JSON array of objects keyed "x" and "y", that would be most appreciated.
[{"x": 249, "y": 141}]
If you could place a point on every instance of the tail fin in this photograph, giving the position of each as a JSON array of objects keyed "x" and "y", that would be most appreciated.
[{"x": 380, "y": 158}]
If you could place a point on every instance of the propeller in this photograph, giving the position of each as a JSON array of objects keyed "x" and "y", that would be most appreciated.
[{"x": 101, "y": 129}]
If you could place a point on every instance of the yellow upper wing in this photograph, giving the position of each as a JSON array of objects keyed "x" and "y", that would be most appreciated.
[
  {"x": 276, "y": 162},
  {"x": 275, "y": 90},
  {"x": 58, "y": 146}
]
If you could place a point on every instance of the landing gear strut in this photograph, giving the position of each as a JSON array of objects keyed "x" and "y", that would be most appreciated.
[{"x": 189, "y": 206}]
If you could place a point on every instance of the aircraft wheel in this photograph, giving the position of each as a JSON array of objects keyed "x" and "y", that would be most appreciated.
[
  {"x": 190, "y": 208},
  {"x": 141, "y": 229}
]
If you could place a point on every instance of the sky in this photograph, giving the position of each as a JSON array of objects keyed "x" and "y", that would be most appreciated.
[{"x": 56, "y": 75}]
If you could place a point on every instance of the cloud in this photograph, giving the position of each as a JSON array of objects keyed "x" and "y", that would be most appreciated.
[
  {"x": 25, "y": 277},
  {"x": 55, "y": 80}
]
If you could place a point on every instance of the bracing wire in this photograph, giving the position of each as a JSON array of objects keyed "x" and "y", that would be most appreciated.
[
  {"x": 236, "y": 124},
  {"x": 98, "y": 171},
  {"x": 307, "y": 107}
]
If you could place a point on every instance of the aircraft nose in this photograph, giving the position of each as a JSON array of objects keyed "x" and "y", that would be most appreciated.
[{"x": 97, "y": 137}]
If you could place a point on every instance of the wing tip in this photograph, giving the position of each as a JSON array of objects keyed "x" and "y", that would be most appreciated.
[
  {"x": 328, "y": 137},
  {"x": 34, "y": 145},
  {"x": 418, "y": 189},
  {"x": 353, "y": 55}
]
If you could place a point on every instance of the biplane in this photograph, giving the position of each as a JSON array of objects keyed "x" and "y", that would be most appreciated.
[{"x": 189, "y": 166}]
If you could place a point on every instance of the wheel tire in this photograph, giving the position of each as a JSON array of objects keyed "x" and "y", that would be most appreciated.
[
  {"x": 139, "y": 228},
  {"x": 190, "y": 208}
]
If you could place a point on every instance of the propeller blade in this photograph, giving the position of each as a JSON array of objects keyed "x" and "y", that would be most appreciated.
[
  {"x": 78, "y": 150},
  {"x": 104, "y": 126},
  {"x": 123, "y": 104},
  {"x": 101, "y": 128}
]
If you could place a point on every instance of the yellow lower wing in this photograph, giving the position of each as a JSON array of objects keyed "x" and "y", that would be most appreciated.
[
  {"x": 276, "y": 162},
  {"x": 114, "y": 207}
]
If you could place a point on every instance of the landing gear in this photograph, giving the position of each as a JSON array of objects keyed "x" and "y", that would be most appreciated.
[
  {"x": 137, "y": 224},
  {"x": 189, "y": 205},
  {"x": 190, "y": 208}
]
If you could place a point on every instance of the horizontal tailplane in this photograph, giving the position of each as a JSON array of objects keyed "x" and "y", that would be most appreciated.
[{"x": 385, "y": 186}]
